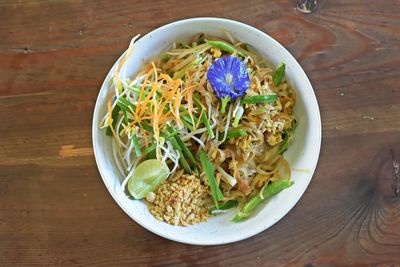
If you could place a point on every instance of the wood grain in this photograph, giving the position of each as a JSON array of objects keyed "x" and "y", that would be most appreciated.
[{"x": 54, "y": 208}]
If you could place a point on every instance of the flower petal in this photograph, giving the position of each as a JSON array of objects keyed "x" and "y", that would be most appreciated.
[{"x": 228, "y": 77}]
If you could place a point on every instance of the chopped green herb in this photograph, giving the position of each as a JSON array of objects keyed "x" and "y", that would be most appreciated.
[
  {"x": 149, "y": 149},
  {"x": 279, "y": 73},
  {"x": 114, "y": 116},
  {"x": 203, "y": 117},
  {"x": 124, "y": 104},
  {"x": 145, "y": 125},
  {"x": 136, "y": 146}
]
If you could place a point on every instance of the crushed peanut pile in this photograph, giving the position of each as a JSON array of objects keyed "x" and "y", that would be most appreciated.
[{"x": 181, "y": 200}]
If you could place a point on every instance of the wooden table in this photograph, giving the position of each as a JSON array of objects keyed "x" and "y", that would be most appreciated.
[{"x": 54, "y": 207}]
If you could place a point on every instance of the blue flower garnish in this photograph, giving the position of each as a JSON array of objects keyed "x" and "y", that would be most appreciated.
[{"x": 228, "y": 78}]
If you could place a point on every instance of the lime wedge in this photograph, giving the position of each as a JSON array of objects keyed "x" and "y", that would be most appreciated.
[{"x": 147, "y": 177}]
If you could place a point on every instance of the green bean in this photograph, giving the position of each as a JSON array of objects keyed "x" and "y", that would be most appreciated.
[
  {"x": 259, "y": 99},
  {"x": 208, "y": 169},
  {"x": 226, "y": 47},
  {"x": 269, "y": 191},
  {"x": 226, "y": 206},
  {"x": 277, "y": 78},
  {"x": 236, "y": 133}
]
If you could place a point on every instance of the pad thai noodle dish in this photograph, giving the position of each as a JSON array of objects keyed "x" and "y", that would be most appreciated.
[{"x": 201, "y": 130}]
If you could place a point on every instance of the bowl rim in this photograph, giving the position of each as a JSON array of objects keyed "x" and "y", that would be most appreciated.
[{"x": 318, "y": 131}]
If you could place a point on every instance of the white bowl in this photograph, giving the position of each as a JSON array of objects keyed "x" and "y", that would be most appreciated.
[{"x": 302, "y": 154}]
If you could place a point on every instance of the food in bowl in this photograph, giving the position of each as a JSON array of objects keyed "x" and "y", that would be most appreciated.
[{"x": 202, "y": 130}]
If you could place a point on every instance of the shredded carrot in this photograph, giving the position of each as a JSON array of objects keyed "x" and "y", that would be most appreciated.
[
  {"x": 178, "y": 98},
  {"x": 170, "y": 95},
  {"x": 145, "y": 118},
  {"x": 166, "y": 77},
  {"x": 136, "y": 115},
  {"x": 177, "y": 103},
  {"x": 153, "y": 90},
  {"x": 141, "y": 93},
  {"x": 144, "y": 103},
  {"x": 155, "y": 124},
  {"x": 187, "y": 92}
]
